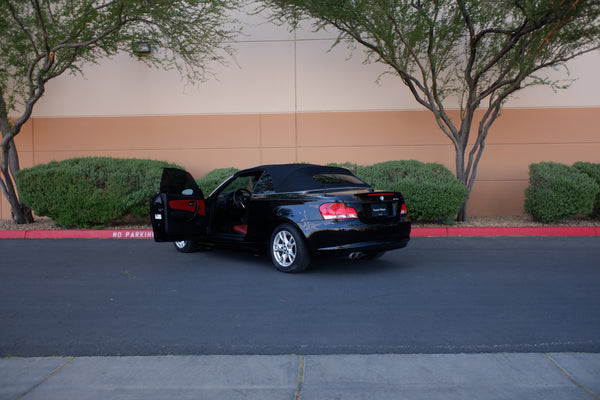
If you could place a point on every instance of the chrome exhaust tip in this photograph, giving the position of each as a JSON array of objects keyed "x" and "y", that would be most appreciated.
[{"x": 356, "y": 255}]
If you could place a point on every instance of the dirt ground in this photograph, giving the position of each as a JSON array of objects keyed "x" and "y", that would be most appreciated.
[{"x": 511, "y": 221}]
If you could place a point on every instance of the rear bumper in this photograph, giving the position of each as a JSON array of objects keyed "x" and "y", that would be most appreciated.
[{"x": 345, "y": 237}]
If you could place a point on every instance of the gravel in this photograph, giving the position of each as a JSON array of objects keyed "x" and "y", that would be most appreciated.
[{"x": 514, "y": 221}]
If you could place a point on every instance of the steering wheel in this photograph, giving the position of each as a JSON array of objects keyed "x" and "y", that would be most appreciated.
[{"x": 241, "y": 197}]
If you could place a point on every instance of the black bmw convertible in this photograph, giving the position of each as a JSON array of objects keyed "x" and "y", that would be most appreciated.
[{"x": 295, "y": 211}]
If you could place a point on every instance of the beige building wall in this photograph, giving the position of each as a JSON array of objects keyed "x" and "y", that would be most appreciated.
[{"x": 285, "y": 98}]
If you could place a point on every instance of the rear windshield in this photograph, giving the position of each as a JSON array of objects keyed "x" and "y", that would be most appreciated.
[
  {"x": 338, "y": 180},
  {"x": 300, "y": 178}
]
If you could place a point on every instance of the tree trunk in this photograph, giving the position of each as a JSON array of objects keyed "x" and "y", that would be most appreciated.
[
  {"x": 462, "y": 214},
  {"x": 20, "y": 213},
  {"x": 461, "y": 176}
]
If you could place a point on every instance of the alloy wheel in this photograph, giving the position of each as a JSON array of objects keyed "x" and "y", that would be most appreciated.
[
  {"x": 181, "y": 244},
  {"x": 284, "y": 248}
]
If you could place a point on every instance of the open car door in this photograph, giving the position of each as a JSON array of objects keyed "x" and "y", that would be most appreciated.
[{"x": 178, "y": 211}]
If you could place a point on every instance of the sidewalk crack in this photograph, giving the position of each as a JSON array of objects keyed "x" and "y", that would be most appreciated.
[
  {"x": 569, "y": 377},
  {"x": 31, "y": 389},
  {"x": 300, "y": 379}
]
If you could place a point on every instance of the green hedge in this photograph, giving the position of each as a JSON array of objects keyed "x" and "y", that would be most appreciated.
[
  {"x": 557, "y": 191},
  {"x": 92, "y": 191},
  {"x": 431, "y": 191},
  {"x": 593, "y": 171},
  {"x": 356, "y": 169}
]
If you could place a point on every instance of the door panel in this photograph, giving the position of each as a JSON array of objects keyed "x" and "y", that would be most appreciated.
[
  {"x": 178, "y": 212},
  {"x": 193, "y": 206}
]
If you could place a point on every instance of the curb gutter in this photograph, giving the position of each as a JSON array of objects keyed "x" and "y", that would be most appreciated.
[{"x": 416, "y": 232}]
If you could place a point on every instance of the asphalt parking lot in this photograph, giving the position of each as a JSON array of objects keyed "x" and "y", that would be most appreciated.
[{"x": 445, "y": 318}]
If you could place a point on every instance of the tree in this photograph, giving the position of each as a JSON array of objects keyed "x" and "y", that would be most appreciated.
[
  {"x": 42, "y": 39},
  {"x": 465, "y": 54}
]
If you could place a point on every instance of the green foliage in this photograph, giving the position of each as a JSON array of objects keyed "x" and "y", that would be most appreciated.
[
  {"x": 593, "y": 171},
  {"x": 424, "y": 42},
  {"x": 557, "y": 191},
  {"x": 88, "y": 192},
  {"x": 40, "y": 43},
  {"x": 214, "y": 178},
  {"x": 356, "y": 169},
  {"x": 431, "y": 191}
]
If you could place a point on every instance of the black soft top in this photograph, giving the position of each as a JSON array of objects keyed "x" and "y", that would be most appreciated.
[{"x": 303, "y": 177}]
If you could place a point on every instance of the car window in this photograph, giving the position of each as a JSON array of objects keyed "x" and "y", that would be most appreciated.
[
  {"x": 264, "y": 184},
  {"x": 177, "y": 181},
  {"x": 337, "y": 179},
  {"x": 241, "y": 182}
]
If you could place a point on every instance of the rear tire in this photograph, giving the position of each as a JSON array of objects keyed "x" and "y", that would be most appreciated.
[
  {"x": 185, "y": 246},
  {"x": 288, "y": 250}
]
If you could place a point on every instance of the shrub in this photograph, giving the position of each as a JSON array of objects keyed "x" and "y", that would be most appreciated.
[
  {"x": 593, "y": 171},
  {"x": 431, "y": 191},
  {"x": 356, "y": 169},
  {"x": 91, "y": 191},
  {"x": 214, "y": 178},
  {"x": 557, "y": 191}
]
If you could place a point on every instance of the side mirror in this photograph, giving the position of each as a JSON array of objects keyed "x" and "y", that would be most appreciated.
[{"x": 188, "y": 192}]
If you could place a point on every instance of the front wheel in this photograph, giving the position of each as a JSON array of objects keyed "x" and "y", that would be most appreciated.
[
  {"x": 185, "y": 246},
  {"x": 288, "y": 250}
]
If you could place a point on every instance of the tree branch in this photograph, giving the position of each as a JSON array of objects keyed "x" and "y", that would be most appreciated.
[
  {"x": 559, "y": 25},
  {"x": 40, "y": 17},
  {"x": 13, "y": 13}
]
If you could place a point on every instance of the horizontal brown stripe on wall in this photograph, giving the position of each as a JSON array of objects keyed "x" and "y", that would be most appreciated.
[{"x": 204, "y": 142}]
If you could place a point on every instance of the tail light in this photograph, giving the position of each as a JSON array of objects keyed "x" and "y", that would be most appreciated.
[
  {"x": 337, "y": 211},
  {"x": 403, "y": 210}
]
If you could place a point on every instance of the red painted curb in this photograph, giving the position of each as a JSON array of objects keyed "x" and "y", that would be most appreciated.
[
  {"x": 416, "y": 232},
  {"x": 428, "y": 232},
  {"x": 12, "y": 234},
  {"x": 79, "y": 234}
]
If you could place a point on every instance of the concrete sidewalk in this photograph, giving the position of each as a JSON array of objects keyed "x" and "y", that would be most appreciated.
[{"x": 555, "y": 376}]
